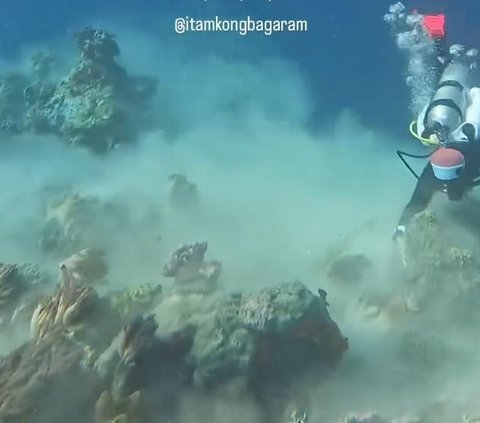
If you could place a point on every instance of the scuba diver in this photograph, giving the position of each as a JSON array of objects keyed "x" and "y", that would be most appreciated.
[{"x": 449, "y": 122}]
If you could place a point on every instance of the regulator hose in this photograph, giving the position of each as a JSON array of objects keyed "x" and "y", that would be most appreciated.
[{"x": 403, "y": 154}]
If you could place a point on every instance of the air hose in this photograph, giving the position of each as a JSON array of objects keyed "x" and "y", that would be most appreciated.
[
  {"x": 432, "y": 141},
  {"x": 403, "y": 154}
]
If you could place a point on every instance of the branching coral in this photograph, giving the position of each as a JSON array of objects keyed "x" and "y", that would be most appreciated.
[
  {"x": 64, "y": 309},
  {"x": 73, "y": 308}
]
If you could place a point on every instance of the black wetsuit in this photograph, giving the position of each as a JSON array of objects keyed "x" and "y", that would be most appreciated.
[{"x": 428, "y": 184}]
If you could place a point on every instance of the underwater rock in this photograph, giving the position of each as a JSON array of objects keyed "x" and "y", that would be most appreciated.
[
  {"x": 124, "y": 410},
  {"x": 78, "y": 310},
  {"x": 98, "y": 105},
  {"x": 264, "y": 339},
  {"x": 350, "y": 268},
  {"x": 183, "y": 194},
  {"x": 35, "y": 376},
  {"x": 294, "y": 336},
  {"x": 87, "y": 267},
  {"x": 190, "y": 271}
]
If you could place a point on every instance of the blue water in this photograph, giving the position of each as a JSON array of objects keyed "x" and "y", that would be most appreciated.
[{"x": 347, "y": 55}]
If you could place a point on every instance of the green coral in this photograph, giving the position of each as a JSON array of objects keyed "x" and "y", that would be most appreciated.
[{"x": 130, "y": 301}]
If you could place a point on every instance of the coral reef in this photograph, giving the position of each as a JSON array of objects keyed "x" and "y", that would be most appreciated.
[
  {"x": 198, "y": 338},
  {"x": 188, "y": 268},
  {"x": 97, "y": 105},
  {"x": 74, "y": 309},
  {"x": 238, "y": 333},
  {"x": 92, "y": 106}
]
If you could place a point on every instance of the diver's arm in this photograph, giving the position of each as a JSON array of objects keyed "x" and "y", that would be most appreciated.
[{"x": 426, "y": 187}]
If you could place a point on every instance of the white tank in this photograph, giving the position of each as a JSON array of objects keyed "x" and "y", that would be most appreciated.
[{"x": 448, "y": 106}]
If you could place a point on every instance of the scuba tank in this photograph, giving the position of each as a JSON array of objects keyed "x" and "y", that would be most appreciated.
[{"x": 446, "y": 111}]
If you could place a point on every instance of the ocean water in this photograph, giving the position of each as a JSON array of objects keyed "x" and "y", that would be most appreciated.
[{"x": 291, "y": 139}]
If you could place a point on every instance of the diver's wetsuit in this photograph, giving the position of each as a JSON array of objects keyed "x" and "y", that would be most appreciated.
[{"x": 428, "y": 184}]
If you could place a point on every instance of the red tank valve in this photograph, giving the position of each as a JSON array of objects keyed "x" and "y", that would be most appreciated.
[{"x": 435, "y": 25}]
